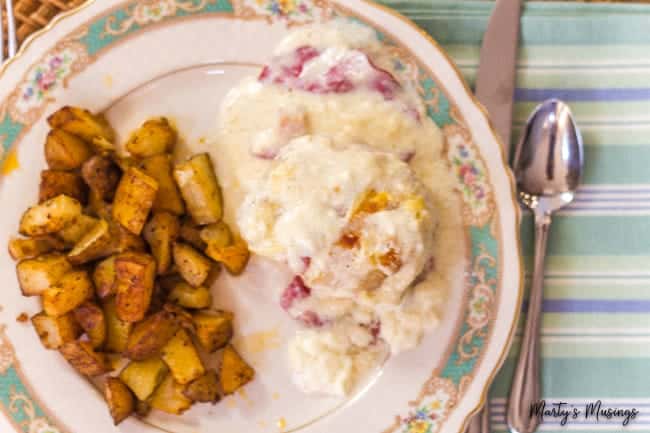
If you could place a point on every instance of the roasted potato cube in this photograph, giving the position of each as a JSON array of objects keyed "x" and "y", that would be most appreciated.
[
  {"x": 142, "y": 409},
  {"x": 183, "y": 317},
  {"x": 168, "y": 198},
  {"x": 57, "y": 182},
  {"x": 49, "y": 216},
  {"x": 84, "y": 359},
  {"x": 133, "y": 199},
  {"x": 117, "y": 331},
  {"x": 168, "y": 397},
  {"x": 155, "y": 136},
  {"x": 142, "y": 377},
  {"x": 233, "y": 257},
  {"x": 37, "y": 275},
  {"x": 92, "y": 320},
  {"x": 20, "y": 249},
  {"x": 92, "y": 128},
  {"x": 234, "y": 372},
  {"x": 218, "y": 235},
  {"x": 200, "y": 189},
  {"x": 73, "y": 232},
  {"x": 124, "y": 162},
  {"x": 191, "y": 233},
  {"x": 124, "y": 240},
  {"x": 102, "y": 176},
  {"x": 98, "y": 207},
  {"x": 119, "y": 398},
  {"x": 190, "y": 297},
  {"x": 104, "y": 278},
  {"x": 205, "y": 389},
  {"x": 181, "y": 357},
  {"x": 134, "y": 278},
  {"x": 193, "y": 266},
  {"x": 213, "y": 329},
  {"x": 160, "y": 232},
  {"x": 95, "y": 244},
  {"x": 54, "y": 332},
  {"x": 151, "y": 335},
  {"x": 64, "y": 151},
  {"x": 72, "y": 290}
]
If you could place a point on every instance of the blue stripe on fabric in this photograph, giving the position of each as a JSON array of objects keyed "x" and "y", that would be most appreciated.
[
  {"x": 594, "y": 305},
  {"x": 611, "y": 94}
]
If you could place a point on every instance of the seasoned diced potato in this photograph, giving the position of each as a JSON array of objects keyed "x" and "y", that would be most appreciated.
[
  {"x": 205, "y": 389},
  {"x": 142, "y": 408},
  {"x": 142, "y": 377},
  {"x": 150, "y": 336},
  {"x": 95, "y": 244},
  {"x": 193, "y": 266},
  {"x": 98, "y": 207},
  {"x": 133, "y": 199},
  {"x": 181, "y": 357},
  {"x": 155, "y": 136},
  {"x": 92, "y": 128},
  {"x": 64, "y": 151},
  {"x": 84, "y": 359},
  {"x": 117, "y": 331},
  {"x": 92, "y": 320},
  {"x": 72, "y": 290},
  {"x": 20, "y": 249},
  {"x": 200, "y": 189},
  {"x": 57, "y": 182},
  {"x": 190, "y": 297},
  {"x": 135, "y": 273},
  {"x": 233, "y": 257},
  {"x": 50, "y": 216},
  {"x": 104, "y": 278},
  {"x": 213, "y": 329},
  {"x": 54, "y": 332},
  {"x": 183, "y": 317},
  {"x": 168, "y": 397},
  {"x": 124, "y": 240},
  {"x": 168, "y": 198},
  {"x": 73, "y": 232},
  {"x": 102, "y": 176},
  {"x": 160, "y": 232},
  {"x": 124, "y": 162},
  {"x": 218, "y": 235},
  {"x": 37, "y": 275},
  {"x": 191, "y": 233},
  {"x": 119, "y": 399},
  {"x": 234, "y": 372}
]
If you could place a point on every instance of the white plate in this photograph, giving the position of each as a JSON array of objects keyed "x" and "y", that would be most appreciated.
[{"x": 178, "y": 58}]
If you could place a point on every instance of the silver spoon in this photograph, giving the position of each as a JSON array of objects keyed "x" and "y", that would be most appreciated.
[{"x": 548, "y": 165}]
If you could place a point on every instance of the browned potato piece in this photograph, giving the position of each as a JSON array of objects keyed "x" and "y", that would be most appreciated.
[
  {"x": 49, "y": 216},
  {"x": 200, "y": 189},
  {"x": 160, "y": 232},
  {"x": 102, "y": 176},
  {"x": 124, "y": 240},
  {"x": 92, "y": 320},
  {"x": 181, "y": 357},
  {"x": 234, "y": 372},
  {"x": 218, "y": 235},
  {"x": 233, "y": 257},
  {"x": 37, "y": 275},
  {"x": 117, "y": 331},
  {"x": 133, "y": 199},
  {"x": 142, "y": 377},
  {"x": 150, "y": 336},
  {"x": 168, "y": 198},
  {"x": 190, "y": 297},
  {"x": 73, "y": 232},
  {"x": 135, "y": 273},
  {"x": 183, "y": 317},
  {"x": 95, "y": 244},
  {"x": 20, "y": 249},
  {"x": 92, "y": 128},
  {"x": 124, "y": 162},
  {"x": 54, "y": 332},
  {"x": 191, "y": 233},
  {"x": 155, "y": 136},
  {"x": 213, "y": 329},
  {"x": 119, "y": 399},
  {"x": 57, "y": 182},
  {"x": 168, "y": 397},
  {"x": 193, "y": 266},
  {"x": 205, "y": 389},
  {"x": 64, "y": 151},
  {"x": 72, "y": 290},
  {"x": 142, "y": 409},
  {"x": 98, "y": 207},
  {"x": 84, "y": 359},
  {"x": 104, "y": 278}
]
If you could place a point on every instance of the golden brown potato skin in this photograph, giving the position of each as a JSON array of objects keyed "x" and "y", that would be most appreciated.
[
  {"x": 95, "y": 244},
  {"x": 193, "y": 266},
  {"x": 82, "y": 123},
  {"x": 92, "y": 320},
  {"x": 160, "y": 232},
  {"x": 142, "y": 377},
  {"x": 102, "y": 176},
  {"x": 205, "y": 389},
  {"x": 182, "y": 358},
  {"x": 188, "y": 296},
  {"x": 72, "y": 290},
  {"x": 134, "y": 199},
  {"x": 168, "y": 397},
  {"x": 200, "y": 189},
  {"x": 54, "y": 332},
  {"x": 49, "y": 216},
  {"x": 214, "y": 329},
  {"x": 64, "y": 151},
  {"x": 84, "y": 359},
  {"x": 73, "y": 232},
  {"x": 150, "y": 336},
  {"x": 28, "y": 248},
  {"x": 119, "y": 398},
  {"x": 169, "y": 197},
  {"x": 191, "y": 234},
  {"x": 234, "y": 372},
  {"x": 57, "y": 182},
  {"x": 117, "y": 331},
  {"x": 37, "y": 275},
  {"x": 134, "y": 278},
  {"x": 154, "y": 137},
  {"x": 104, "y": 278},
  {"x": 233, "y": 257}
]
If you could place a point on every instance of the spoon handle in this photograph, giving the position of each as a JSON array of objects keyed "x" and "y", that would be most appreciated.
[{"x": 525, "y": 389}]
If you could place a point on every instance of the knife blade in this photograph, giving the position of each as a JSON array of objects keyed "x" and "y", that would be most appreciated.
[{"x": 495, "y": 78}]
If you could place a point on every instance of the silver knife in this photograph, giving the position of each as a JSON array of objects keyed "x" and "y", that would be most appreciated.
[{"x": 495, "y": 89}]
